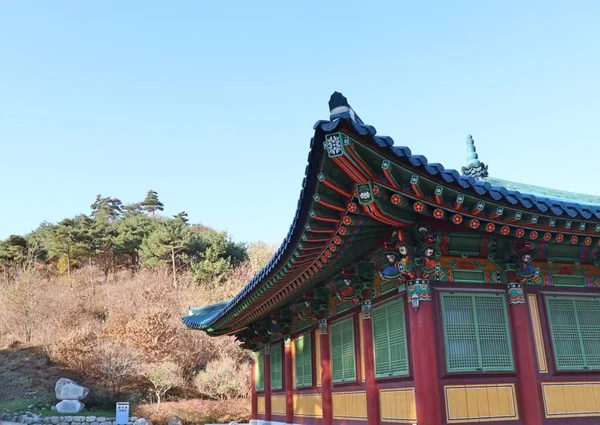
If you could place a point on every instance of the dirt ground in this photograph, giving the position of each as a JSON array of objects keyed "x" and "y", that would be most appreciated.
[{"x": 27, "y": 370}]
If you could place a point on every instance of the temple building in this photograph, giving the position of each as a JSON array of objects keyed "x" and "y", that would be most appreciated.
[{"x": 408, "y": 293}]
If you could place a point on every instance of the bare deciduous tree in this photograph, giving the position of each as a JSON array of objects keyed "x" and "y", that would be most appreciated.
[
  {"x": 115, "y": 362},
  {"x": 163, "y": 377}
]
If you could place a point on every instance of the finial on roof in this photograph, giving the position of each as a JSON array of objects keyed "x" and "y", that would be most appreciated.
[
  {"x": 338, "y": 104},
  {"x": 474, "y": 168},
  {"x": 472, "y": 157}
]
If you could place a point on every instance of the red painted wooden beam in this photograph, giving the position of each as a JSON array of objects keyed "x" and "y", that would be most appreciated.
[
  {"x": 326, "y": 378},
  {"x": 372, "y": 390},
  {"x": 267, "y": 379},
  {"x": 288, "y": 377},
  {"x": 254, "y": 414},
  {"x": 424, "y": 363},
  {"x": 529, "y": 390}
]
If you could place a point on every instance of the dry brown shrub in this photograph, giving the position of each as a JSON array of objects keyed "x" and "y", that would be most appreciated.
[
  {"x": 73, "y": 317},
  {"x": 223, "y": 379},
  {"x": 198, "y": 411}
]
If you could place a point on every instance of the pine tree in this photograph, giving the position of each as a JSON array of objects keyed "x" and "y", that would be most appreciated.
[
  {"x": 151, "y": 203},
  {"x": 167, "y": 243},
  {"x": 182, "y": 216},
  {"x": 106, "y": 209}
]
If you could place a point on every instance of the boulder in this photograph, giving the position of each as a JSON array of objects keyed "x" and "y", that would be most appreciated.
[
  {"x": 70, "y": 406},
  {"x": 174, "y": 420},
  {"x": 67, "y": 389},
  {"x": 142, "y": 421}
]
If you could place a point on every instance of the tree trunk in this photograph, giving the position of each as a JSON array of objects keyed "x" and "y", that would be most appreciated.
[
  {"x": 69, "y": 264},
  {"x": 173, "y": 264}
]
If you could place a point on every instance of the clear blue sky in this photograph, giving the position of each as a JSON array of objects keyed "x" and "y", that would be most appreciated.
[{"x": 212, "y": 103}]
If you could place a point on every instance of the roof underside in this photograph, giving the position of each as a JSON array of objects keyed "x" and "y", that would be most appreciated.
[{"x": 315, "y": 248}]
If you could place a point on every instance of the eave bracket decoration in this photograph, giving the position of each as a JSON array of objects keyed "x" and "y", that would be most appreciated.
[
  {"x": 516, "y": 294},
  {"x": 356, "y": 284},
  {"x": 411, "y": 257}
]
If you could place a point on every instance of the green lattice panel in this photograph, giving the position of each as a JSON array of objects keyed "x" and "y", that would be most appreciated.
[
  {"x": 303, "y": 353},
  {"x": 476, "y": 332},
  {"x": 342, "y": 351},
  {"x": 389, "y": 340},
  {"x": 259, "y": 378},
  {"x": 575, "y": 331},
  {"x": 276, "y": 368}
]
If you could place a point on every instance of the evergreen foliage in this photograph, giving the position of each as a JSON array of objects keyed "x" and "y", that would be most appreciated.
[
  {"x": 151, "y": 203},
  {"x": 116, "y": 236}
]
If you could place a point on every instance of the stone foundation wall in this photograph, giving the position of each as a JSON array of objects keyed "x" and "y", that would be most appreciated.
[{"x": 64, "y": 420}]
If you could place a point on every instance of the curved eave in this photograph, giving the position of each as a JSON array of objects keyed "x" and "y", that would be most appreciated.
[
  {"x": 480, "y": 188},
  {"x": 219, "y": 320}
]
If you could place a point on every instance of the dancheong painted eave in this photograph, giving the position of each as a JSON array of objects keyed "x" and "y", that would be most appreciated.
[{"x": 558, "y": 211}]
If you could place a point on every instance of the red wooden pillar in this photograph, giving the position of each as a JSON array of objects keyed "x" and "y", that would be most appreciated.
[
  {"x": 267, "y": 369},
  {"x": 254, "y": 414},
  {"x": 524, "y": 349},
  {"x": 423, "y": 353},
  {"x": 370, "y": 382},
  {"x": 326, "y": 380},
  {"x": 287, "y": 380}
]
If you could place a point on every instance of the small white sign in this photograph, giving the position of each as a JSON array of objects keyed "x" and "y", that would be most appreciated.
[{"x": 122, "y": 415}]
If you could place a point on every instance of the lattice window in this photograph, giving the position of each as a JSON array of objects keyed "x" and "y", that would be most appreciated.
[
  {"x": 276, "y": 367},
  {"x": 259, "y": 375},
  {"x": 303, "y": 352},
  {"x": 476, "y": 332},
  {"x": 343, "y": 363},
  {"x": 575, "y": 332},
  {"x": 389, "y": 340}
]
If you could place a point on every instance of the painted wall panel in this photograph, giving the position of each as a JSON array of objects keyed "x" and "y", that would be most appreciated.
[
  {"x": 540, "y": 348},
  {"x": 481, "y": 403},
  {"x": 398, "y": 405},
  {"x": 350, "y": 405},
  {"x": 571, "y": 399},
  {"x": 278, "y": 404},
  {"x": 261, "y": 404},
  {"x": 308, "y": 405}
]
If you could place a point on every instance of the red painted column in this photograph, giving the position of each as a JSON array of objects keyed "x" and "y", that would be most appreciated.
[
  {"x": 326, "y": 380},
  {"x": 372, "y": 391},
  {"x": 254, "y": 414},
  {"x": 267, "y": 369},
  {"x": 424, "y": 359},
  {"x": 288, "y": 381},
  {"x": 525, "y": 357}
]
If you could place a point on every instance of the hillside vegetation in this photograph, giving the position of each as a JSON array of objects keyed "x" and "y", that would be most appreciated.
[{"x": 99, "y": 298}]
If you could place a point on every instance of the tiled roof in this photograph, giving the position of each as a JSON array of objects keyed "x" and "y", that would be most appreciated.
[{"x": 544, "y": 200}]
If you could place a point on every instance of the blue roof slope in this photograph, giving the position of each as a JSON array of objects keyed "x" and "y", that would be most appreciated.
[
  {"x": 562, "y": 203},
  {"x": 560, "y": 207}
]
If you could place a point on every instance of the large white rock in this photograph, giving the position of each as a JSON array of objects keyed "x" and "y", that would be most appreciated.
[
  {"x": 142, "y": 421},
  {"x": 70, "y": 406},
  {"x": 67, "y": 389}
]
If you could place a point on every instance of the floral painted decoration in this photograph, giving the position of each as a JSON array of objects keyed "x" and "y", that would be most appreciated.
[
  {"x": 474, "y": 223},
  {"x": 520, "y": 233},
  {"x": 505, "y": 230},
  {"x": 438, "y": 213},
  {"x": 419, "y": 206},
  {"x": 490, "y": 227},
  {"x": 560, "y": 237},
  {"x": 457, "y": 218}
]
